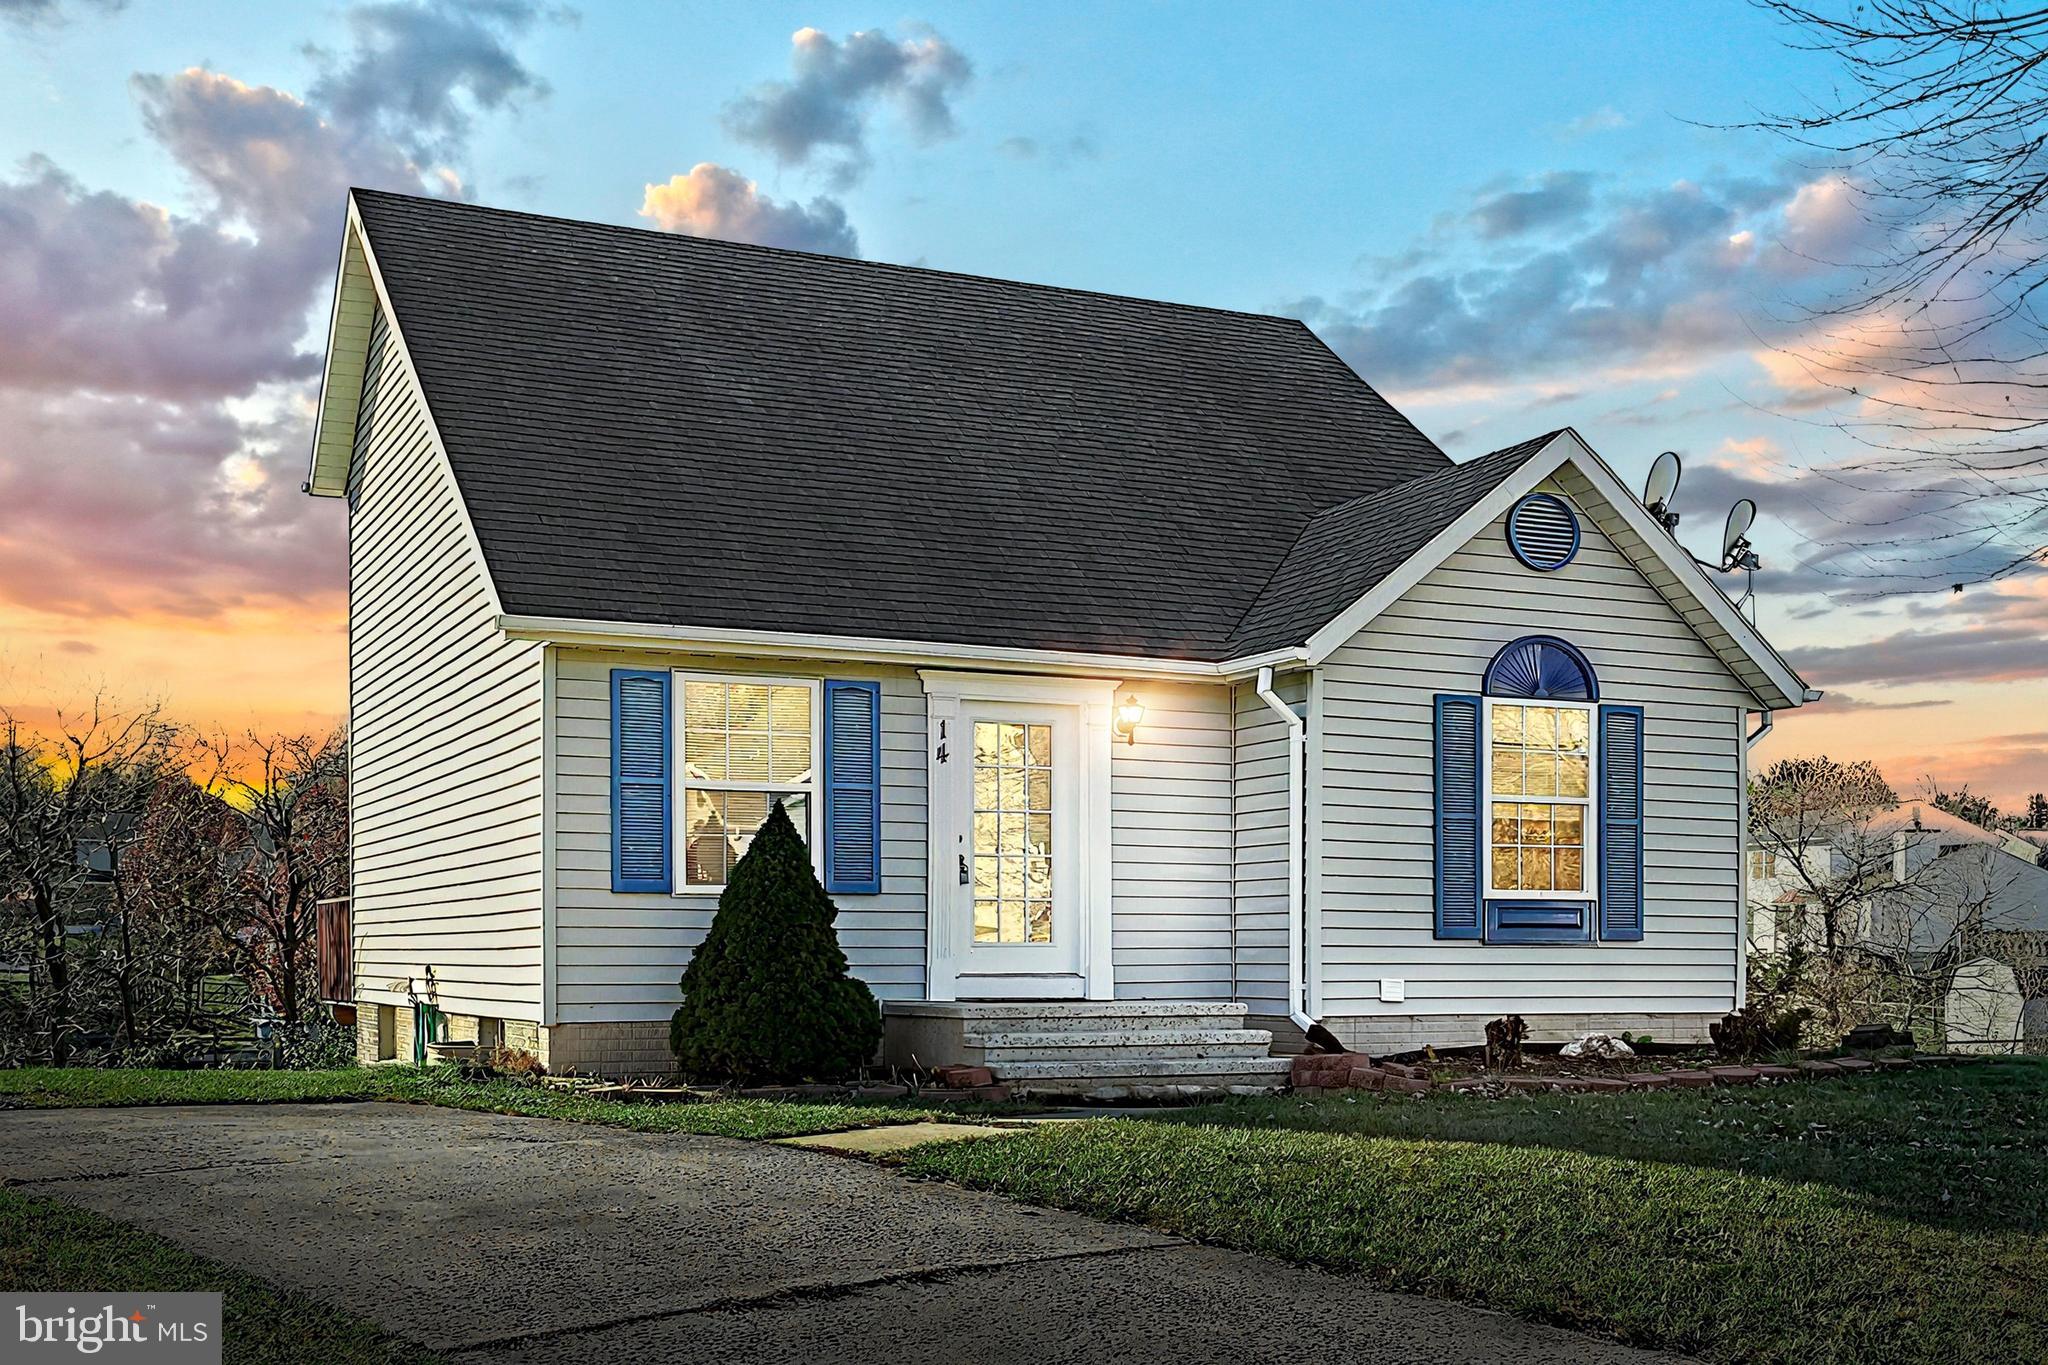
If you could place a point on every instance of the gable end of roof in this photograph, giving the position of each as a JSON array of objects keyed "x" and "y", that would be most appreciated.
[
  {"x": 341, "y": 373},
  {"x": 1377, "y": 552}
]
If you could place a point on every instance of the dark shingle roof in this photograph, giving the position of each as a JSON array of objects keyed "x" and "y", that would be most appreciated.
[
  {"x": 669, "y": 430},
  {"x": 1347, "y": 549}
]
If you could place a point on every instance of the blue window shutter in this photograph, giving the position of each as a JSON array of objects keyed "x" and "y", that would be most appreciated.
[
  {"x": 643, "y": 815},
  {"x": 1621, "y": 823},
  {"x": 853, "y": 788},
  {"x": 1457, "y": 817}
]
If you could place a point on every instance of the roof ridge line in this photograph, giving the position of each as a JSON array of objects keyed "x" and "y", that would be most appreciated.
[
  {"x": 1533, "y": 444},
  {"x": 1537, "y": 441},
  {"x": 857, "y": 261}
]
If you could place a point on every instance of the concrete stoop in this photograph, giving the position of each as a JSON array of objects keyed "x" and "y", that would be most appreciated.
[{"x": 1103, "y": 1050}]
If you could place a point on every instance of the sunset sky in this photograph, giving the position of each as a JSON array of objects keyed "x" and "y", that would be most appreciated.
[{"x": 1508, "y": 218}]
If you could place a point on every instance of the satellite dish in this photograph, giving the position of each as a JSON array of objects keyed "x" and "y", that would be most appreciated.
[
  {"x": 1735, "y": 550},
  {"x": 1663, "y": 479},
  {"x": 1658, "y": 491},
  {"x": 1740, "y": 518}
]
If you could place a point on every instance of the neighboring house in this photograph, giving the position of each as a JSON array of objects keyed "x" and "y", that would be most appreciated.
[
  {"x": 1969, "y": 888},
  {"x": 2025, "y": 843},
  {"x": 1127, "y": 664},
  {"x": 1914, "y": 859},
  {"x": 1943, "y": 899}
]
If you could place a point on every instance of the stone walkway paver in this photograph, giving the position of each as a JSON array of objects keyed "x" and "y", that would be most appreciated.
[{"x": 899, "y": 1137}]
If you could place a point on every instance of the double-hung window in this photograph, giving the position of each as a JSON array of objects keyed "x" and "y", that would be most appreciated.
[
  {"x": 1539, "y": 804},
  {"x": 746, "y": 743},
  {"x": 1539, "y": 785}
]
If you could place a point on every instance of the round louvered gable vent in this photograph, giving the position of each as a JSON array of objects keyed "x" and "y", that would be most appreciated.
[{"x": 1542, "y": 532}]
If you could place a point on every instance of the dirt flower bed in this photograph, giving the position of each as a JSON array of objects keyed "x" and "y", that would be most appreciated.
[
  {"x": 1463, "y": 1064},
  {"x": 1318, "y": 1073}
]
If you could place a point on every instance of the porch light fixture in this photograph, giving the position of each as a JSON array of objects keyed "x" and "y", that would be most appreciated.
[{"x": 1129, "y": 711}]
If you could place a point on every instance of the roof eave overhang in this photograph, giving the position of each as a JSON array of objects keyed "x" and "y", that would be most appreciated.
[
  {"x": 360, "y": 293},
  {"x": 342, "y": 367},
  {"x": 1742, "y": 646},
  {"x": 868, "y": 649}
]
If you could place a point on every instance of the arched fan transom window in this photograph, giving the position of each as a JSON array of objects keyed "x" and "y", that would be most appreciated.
[{"x": 1544, "y": 668}]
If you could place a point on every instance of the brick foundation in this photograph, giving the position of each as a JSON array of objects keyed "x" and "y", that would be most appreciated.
[
  {"x": 1381, "y": 1035},
  {"x": 371, "y": 1021},
  {"x": 631, "y": 1049}
]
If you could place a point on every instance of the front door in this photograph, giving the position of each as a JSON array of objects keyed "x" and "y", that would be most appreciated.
[
  {"x": 1018, "y": 815},
  {"x": 1018, "y": 903},
  {"x": 1020, "y": 819}
]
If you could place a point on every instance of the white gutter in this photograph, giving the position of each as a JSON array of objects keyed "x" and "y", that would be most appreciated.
[
  {"x": 779, "y": 643},
  {"x": 1297, "y": 744},
  {"x": 1763, "y": 728}
]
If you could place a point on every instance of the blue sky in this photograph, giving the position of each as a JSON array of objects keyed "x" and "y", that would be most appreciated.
[
  {"x": 1508, "y": 217},
  {"x": 1242, "y": 155}
]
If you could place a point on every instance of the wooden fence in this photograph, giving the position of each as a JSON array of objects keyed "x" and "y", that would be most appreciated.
[{"x": 335, "y": 941}]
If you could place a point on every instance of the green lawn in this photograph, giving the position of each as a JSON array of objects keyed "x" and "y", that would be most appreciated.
[
  {"x": 1886, "y": 1218},
  {"x": 50, "y": 1246},
  {"x": 83, "y": 1087}
]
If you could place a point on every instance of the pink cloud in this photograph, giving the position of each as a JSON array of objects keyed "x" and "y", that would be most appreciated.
[
  {"x": 714, "y": 201},
  {"x": 157, "y": 369}
]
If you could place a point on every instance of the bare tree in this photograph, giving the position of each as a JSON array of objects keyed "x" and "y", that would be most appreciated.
[
  {"x": 292, "y": 852},
  {"x": 1938, "y": 345},
  {"x": 1940, "y": 910},
  {"x": 175, "y": 873},
  {"x": 1810, "y": 816},
  {"x": 1875, "y": 907},
  {"x": 62, "y": 797},
  {"x": 1965, "y": 804}
]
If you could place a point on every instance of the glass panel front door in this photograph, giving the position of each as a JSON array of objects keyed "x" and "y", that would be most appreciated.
[
  {"x": 1018, "y": 833},
  {"x": 1013, "y": 837}
]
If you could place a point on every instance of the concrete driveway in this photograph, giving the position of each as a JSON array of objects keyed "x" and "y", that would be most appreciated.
[{"x": 506, "y": 1239}]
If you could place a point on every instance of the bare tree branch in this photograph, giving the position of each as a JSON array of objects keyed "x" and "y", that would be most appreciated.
[{"x": 1936, "y": 356}]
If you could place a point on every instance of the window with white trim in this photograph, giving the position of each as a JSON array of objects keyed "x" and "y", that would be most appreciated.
[
  {"x": 746, "y": 743},
  {"x": 1539, "y": 785}
]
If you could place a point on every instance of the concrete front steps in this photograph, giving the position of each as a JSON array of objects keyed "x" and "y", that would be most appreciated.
[{"x": 1097, "y": 1049}]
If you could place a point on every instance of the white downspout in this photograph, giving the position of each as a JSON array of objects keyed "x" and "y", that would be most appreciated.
[
  {"x": 1749, "y": 742},
  {"x": 1297, "y": 744}
]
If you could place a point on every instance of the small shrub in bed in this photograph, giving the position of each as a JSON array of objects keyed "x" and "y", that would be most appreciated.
[
  {"x": 1756, "y": 1030},
  {"x": 1504, "y": 1039},
  {"x": 507, "y": 1063},
  {"x": 767, "y": 997}
]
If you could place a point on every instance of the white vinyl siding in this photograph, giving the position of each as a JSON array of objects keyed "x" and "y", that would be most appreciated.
[
  {"x": 1375, "y": 755},
  {"x": 1259, "y": 844},
  {"x": 1170, "y": 853},
  {"x": 619, "y": 957},
  {"x": 444, "y": 730}
]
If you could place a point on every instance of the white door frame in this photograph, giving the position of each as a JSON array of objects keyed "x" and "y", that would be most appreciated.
[{"x": 946, "y": 915}]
